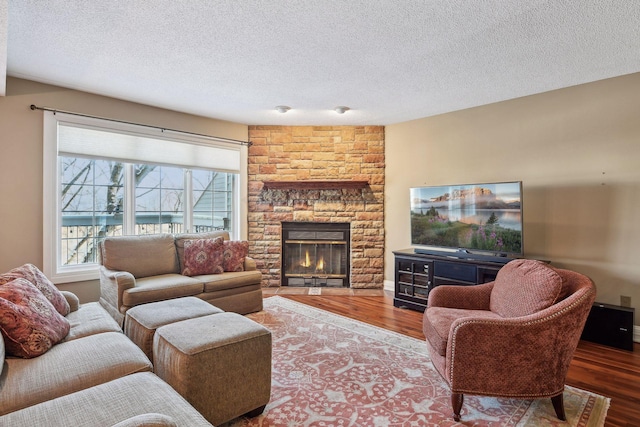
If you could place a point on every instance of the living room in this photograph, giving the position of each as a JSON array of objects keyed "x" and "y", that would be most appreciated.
[{"x": 575, "y": 149}]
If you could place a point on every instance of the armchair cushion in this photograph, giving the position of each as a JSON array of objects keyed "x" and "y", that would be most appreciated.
[
  {"x": 437, "y": 324},
  {"x": 524, "y": 287}
]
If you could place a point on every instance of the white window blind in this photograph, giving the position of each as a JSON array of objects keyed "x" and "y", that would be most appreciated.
[{"x": 128, "y": 147}]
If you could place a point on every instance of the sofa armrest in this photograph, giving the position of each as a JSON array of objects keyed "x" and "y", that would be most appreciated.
[
  {"x": 249, "y": 264},
  {"x": 113, "y": 284},
  {"x": 148, "y": 420},
  {"x": 72, "y": 299},
  {"x": 464, "y": 297}
]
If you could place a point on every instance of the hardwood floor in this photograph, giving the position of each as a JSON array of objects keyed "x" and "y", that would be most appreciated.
[{"x": 597, "y": 368}]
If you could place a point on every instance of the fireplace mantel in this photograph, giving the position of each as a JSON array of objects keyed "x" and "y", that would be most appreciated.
[{"x": 314, "y": 184}]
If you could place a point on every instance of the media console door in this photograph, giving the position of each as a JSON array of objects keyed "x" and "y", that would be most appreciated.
[{"x": 416, "y": 274}]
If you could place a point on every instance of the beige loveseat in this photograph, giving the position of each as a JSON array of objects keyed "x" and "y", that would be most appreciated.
[
  {"x": 147, "y": 268},
  {"x": 95, "y": 377}
]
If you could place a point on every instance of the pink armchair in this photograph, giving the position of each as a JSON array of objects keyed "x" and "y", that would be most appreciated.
[{"x": 513, "y": 337}]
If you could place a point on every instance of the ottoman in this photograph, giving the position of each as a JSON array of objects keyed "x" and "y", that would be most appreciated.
[
  {"x": 220, "y": 363},
  {"x": 142, "y": 320}
]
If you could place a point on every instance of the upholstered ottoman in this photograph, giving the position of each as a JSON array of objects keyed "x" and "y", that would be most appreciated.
[
  {"x": 142, "y": 321},
  {"x": 220, "y": 363}
]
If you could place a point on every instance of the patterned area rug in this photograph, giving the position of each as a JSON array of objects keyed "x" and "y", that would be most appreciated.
[{"x": 329, "y": 370}]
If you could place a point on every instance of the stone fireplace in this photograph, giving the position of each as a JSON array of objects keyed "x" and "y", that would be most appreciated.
[
  {"x": 315, "y": 254},
  {"x": 321, "y": 175}
]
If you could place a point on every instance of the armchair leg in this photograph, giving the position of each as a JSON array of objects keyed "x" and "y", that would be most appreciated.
[
  {"x": 456, "y": 402},
  {"x": 558, "y": 405}
]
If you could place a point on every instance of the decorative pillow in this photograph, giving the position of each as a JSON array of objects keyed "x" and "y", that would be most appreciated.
[
  {"x": 31, "y": 273},
  {"x": 29, "y": 323},
  {"x": 203, "y": 256},
  {"x": 524, "y": 287},
  {"x": 234, "y": 254}
]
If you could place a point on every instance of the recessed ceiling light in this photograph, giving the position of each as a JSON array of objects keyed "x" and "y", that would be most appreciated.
[
  {"x": 341, "y": 109},
  {"x": 282, "y": 108}
]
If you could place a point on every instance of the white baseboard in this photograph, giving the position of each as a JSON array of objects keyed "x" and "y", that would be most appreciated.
[{"x": 636, "y": 334}]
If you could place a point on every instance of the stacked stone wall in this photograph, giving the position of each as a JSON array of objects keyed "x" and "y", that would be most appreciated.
[{"x": 315, "y": 153}]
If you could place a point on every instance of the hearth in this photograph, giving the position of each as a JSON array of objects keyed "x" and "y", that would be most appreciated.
[{"x": 315, "y": 254}]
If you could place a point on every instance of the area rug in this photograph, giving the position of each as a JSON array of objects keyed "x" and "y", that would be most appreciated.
[{"x": 332, "y": 371}]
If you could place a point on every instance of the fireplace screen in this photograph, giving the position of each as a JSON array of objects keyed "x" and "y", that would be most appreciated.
[{"x": 315, "y": 254}]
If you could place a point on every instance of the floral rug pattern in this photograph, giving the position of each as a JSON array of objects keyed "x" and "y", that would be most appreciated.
[{"x": 331, "y": 371}]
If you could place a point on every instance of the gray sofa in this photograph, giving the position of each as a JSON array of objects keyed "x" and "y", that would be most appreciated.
[
  {"x": 147, "y": 268},
  {"x": 95, "y": 377}
]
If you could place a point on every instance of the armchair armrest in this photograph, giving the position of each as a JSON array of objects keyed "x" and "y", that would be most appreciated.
[
  {"x": 464, "y": 297},
  {"x": 113, "y": 283}
]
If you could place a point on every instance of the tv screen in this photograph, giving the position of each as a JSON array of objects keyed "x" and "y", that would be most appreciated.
[{"x": 484, "y": 218}]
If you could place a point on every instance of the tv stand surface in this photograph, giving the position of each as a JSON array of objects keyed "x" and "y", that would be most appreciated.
[
  {"x": 418, "y": 271},
  {"x": 462, "y": 254}
]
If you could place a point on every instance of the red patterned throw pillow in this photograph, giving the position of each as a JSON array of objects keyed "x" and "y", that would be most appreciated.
[
  {"x": 234, "y": 254},
  {"x": 203, "y": 256},
  {"x": 31, "y": 273},
  {"x": 30, "y": 324}
]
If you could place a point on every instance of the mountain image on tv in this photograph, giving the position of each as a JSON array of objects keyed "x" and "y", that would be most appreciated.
[{"x": 486, "y": 217}]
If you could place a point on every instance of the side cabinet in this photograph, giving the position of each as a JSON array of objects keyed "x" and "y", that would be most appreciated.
[{"x": 416, "y": 274}]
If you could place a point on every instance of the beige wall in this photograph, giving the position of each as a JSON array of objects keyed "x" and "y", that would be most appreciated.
[
  {"x": 21, "y": 159},
  {"x": 577, "y": 151}
]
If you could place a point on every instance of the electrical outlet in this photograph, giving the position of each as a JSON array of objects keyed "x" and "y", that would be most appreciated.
[{"x": 625, "y": 301}]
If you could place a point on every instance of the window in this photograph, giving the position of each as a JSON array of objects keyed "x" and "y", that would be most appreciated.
[{"x": 105, "y": 179}]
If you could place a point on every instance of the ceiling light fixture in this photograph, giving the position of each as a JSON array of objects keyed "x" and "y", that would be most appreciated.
[
  {"x": 282, "y": 108},
  {"x": 341, "y": 109}
]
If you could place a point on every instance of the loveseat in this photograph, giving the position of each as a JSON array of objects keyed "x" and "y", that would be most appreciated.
[
  {"x": 93, "y": 376},
  {"x": 147, "y": 268}
]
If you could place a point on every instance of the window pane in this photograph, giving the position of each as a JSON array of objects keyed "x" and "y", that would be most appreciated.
[
  {"x": 212, "y": 200},
  {"x": 159, "y": 199},
  {"x": 91, "y": 206}
]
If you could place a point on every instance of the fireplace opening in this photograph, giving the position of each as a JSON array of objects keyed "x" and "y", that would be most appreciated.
[{"x": 315, "y": 254}]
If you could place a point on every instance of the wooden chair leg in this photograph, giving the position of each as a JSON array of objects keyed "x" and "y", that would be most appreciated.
[
  {"x": 558, "y": 405},
  {"x": 456, "y": 402}
]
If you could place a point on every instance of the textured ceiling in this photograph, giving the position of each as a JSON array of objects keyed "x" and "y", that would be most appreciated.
[{"x": 388, "y": 60}]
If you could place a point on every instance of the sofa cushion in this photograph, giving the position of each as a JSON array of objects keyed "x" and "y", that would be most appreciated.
[
  {"x": 203, "y": 256},
  {"x": 235, "y": 252},
  {"x": 30, "y": 324},
  {"x": 183, "y": 237},
  {"x": 37, "y": 278},
  {"x": 161, "y": 287},
  {"x": 523, "y": 287},
  {"x": 142, "y": 256},
  {"x": 69, "y": 367},
  {"x": 230, "y": 280},
  {"x": 109, "y": 403},
  {"x": 90, "y": 319}
]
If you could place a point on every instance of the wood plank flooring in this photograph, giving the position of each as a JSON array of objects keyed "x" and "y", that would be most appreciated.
[{"x": 597, "y": 368}]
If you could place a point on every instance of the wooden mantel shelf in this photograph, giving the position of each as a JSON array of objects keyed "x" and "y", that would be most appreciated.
[{"x": 314, "y": 185}]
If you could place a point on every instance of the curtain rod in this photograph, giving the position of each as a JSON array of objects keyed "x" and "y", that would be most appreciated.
[{"x": 217, "y": 138}]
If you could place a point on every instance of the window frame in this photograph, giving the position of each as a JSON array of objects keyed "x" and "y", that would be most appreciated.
[{"x": 52, "y": 216}]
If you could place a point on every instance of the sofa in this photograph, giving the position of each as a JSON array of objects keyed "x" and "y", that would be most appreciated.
[
  {"x": 147, "y": 268},
  {"x": 95, "y": 376}
]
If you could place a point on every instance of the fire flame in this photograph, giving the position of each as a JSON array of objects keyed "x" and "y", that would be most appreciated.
[{"x": 306, "y": 263}]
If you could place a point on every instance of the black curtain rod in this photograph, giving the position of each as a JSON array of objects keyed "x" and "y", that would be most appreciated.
[{"x": 54, "y": 111}]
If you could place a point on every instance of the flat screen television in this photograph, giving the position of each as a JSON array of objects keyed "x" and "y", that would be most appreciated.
[{"x": 484, "y": 219}]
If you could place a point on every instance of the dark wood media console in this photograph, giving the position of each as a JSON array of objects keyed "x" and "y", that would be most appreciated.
[{"x": 417, "y": 273}]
